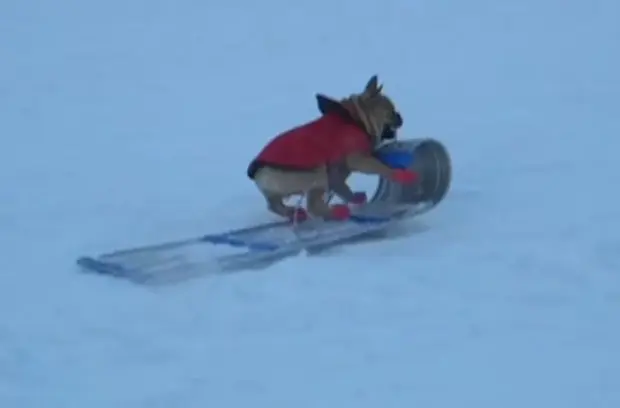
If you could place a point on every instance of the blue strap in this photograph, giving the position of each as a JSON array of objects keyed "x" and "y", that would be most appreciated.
[
  {"x": 230, "y": 239},
  {"x": 236, "y": 242}
]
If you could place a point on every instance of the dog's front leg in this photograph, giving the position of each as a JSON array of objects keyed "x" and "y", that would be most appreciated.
[
  {"x": 316, "y": 203},
  {"x": 367, "y": 164},
  {"x": 341, "y": 188},
  {"x": 338, "y": 175},
  {"x": 276, "y": 205},
  {"x": 344, "y": 191}
]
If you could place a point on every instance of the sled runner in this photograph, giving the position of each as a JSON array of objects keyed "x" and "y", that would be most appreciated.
[{"x": 261, "y": 245}]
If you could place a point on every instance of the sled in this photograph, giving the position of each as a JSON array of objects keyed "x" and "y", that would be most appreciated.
[{"x": 262, "y": 245}]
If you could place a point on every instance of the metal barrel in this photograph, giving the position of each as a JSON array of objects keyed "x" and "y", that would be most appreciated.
[{"x": 429, "y": 158}]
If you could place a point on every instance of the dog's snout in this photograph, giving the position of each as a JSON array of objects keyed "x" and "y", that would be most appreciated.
[
  {"x": 388, "y": 133},
  {"x": 398, "y": 120}
]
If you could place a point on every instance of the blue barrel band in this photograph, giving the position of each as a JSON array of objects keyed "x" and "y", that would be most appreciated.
[{"x": 396, "y": 159}]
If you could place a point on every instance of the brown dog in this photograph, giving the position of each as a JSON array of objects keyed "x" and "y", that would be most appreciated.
[{"x": 323, "y": 153}]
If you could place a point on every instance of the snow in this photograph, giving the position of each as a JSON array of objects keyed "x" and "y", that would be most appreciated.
[{"x": 127, "y": 123}]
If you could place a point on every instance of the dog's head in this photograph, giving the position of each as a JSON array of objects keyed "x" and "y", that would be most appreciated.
[{"x": 375, "y": 111}]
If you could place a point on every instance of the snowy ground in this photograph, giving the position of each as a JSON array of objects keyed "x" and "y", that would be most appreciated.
[{"x": 124, "y": 123}]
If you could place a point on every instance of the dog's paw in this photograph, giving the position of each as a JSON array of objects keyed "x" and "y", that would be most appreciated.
[
  {"x": 340, "y": 212},
  {"x": 359, "y": 198},
  {"x": 298, "y": 215}
]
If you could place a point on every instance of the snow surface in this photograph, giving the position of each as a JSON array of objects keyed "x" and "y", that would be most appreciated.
[{"x": 131, "y": 122}]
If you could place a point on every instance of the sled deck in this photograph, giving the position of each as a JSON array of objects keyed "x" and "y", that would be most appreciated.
[{"x": 248, "y": 248}]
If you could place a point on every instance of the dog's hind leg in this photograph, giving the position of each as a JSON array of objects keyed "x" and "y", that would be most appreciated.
[{"x": 275, "y": 203}]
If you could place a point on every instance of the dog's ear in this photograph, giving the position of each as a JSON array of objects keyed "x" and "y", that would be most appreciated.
[{"x": 372, "y": 87}]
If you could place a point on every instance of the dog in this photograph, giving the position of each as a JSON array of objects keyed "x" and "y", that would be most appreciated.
[{"x": 317, "y": 157}]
